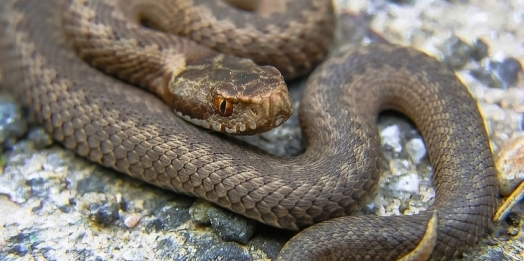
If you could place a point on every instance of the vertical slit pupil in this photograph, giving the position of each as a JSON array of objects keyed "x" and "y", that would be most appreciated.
[{"x": 223, "y": 107}]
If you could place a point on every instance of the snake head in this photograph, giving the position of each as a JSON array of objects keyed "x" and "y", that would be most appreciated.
[{"x": 230, "y": 95}]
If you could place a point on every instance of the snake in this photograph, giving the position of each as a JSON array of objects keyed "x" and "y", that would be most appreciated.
[{"x": 118, "y": 115}]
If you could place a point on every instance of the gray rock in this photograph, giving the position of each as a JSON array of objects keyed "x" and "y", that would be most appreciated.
[
  {"x": 223, "y": 252},
  {"x": 13, "y": 124},
  {"x": 508, "y": 71},
  {"x": 40, "y": 138},
  {"x": 169, "y": 218},
  {"x": 198, "y": 212},
  {"x": 456, "y": 52},
  {"x": 230, "y": 226},
  {"x": 499, "y": 74},
  {"x": 416, "y": 150},
  {"x": 103, "y": 214},
  {"x": 480, "y": 50}
]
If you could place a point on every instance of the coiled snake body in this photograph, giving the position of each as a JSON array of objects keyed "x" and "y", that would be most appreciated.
[{"x": 125, "y": 128}]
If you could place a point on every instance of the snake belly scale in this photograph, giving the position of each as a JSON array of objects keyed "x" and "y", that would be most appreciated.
[{"x": 125, "y": 128}]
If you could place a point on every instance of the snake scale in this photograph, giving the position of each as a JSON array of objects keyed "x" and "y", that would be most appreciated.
[{"x": 123, "y": 127}]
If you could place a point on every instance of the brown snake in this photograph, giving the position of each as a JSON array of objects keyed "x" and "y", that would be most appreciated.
[{"x": 127, "y": 129}]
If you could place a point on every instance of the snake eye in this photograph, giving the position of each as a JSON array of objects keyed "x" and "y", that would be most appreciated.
[{"x": 223, "y": 106}]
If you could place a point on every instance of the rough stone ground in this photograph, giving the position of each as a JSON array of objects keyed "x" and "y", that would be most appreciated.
[{"x": 58, "y": 206}]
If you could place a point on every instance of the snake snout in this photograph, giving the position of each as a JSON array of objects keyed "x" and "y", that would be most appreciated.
[
  {"x": 260, "y": 114},
  {"x": 280, "y": 107}
]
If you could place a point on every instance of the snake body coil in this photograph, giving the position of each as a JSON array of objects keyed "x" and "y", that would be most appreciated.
[{"x": 129, "y": 130}]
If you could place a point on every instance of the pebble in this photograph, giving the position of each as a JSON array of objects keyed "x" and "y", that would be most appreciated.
[
  {"x": 198, "y": 211},
  {"x": 416, "y": 150},
  {"x": 40, "y": 138},
  {"x": 391, "y": 138},
  {"x": 497, "y": 74},
  {"x": 169, "y": 218},
  {"x": 226, "y": 251},
  {"x": 480, "y": 50},
  {"x": 230, "y": 226},
  {"x": 20, "y": 250},
  {"x": 132, "y": 221},
  {"x": 455, "y": 52},
  {"x": 103, "y": 214},
  {"x": 409, "y": 183},
  {"x": 508, "y": 71},
  {"x": 13, "y": 124}
]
